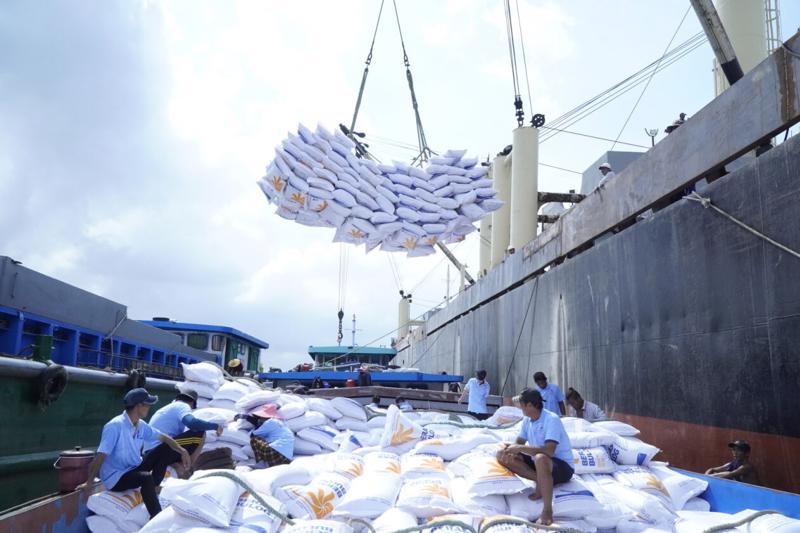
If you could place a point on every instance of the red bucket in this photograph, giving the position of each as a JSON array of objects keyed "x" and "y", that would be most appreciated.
[{"x": 73, "y": 468}]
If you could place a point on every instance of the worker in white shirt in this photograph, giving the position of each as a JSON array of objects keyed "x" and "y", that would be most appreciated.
[
  {"x": 605, "y": 170},
  {"x": 580, "y": 408},
  {"x": 551, "y": 394},
  {"x": 478, "y": 390}
]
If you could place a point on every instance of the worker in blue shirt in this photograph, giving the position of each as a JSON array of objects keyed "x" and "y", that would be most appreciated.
[
  {"x": 478, "y": 390},
  {"x": 177, "y": 421},
  {"x": 272, "y": 441},
  {"x": 551, "y": 394},
  {"x": 119, "y": 456},
  {"x": 542, "y": 453}
]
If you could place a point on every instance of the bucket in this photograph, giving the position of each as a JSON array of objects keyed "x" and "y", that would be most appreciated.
[{"x": 73, "y": 468}]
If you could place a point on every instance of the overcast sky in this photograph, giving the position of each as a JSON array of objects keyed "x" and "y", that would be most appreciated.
[{"x": 132, "y": 135}]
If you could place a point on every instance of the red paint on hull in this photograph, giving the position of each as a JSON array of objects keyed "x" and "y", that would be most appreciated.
[{"x": 695, "y": 447}]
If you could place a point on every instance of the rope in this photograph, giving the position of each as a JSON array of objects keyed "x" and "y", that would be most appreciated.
[
  {"x": 593, "y": 137},
  {"x": 561, "y": 168},
  {"x": 646, "y": 85},
  {"x": 733, "y": 525},
  {"x": 363, "y": 522},
  {"x": 467, "y": 426},
  {"x": 364, "y": 76},
  {"x": 533, "y": 525},
  {"x": 534, "y": 291},
  {"x": 706, "y": 202},
  {"x": 438, "y": 523},
  {"x": 239, "y": 481}
]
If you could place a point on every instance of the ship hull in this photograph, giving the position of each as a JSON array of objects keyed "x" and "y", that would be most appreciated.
[{"x": 683, "y": 323}]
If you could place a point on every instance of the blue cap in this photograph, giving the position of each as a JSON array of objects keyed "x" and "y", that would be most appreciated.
[{"x": 137, "y": 396}]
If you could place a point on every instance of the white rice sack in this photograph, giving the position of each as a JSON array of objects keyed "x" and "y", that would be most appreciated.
[
  {"x": 322, "y": 435},
  {"x": 645, "y": 505},
  {"x": 681, "y": 488},
  {"x": 477, "y": 505},
  {"x": 229, "y": 405},
  {"x": 370, "y": 496},
  {"x": 203, "y": 390},
  {"x": 491, "y": 204},
  {"x": 394, "y": 519},
  {"x": 254, "y": 516},
  {"x": 590, "y": 439},
  {"x": 349, "y": 465},
  {"x": 521, "y": 506},
  {"x": 253, "y": 400},
  {"x": 696, "y": 504},
  {"x": 642, "y": 479},
  {"x": 381, "y": 462},
  {"x": 452, "y": 448},
  {"x": 306, "y": 420},
  {"x": 292, "y": 409},
  {"x": 202, "y": 402},
  {"x": 125, "y": 509},
  {"x": 324, "y": 406},
  {"x": 592, "y": 461},
  {"x": 102, "y": 524},
  {"x": 507, "y": 414},
  {"x": 620, "y": 428},
  {"x": 266, "y": 480},
  {"x": 161, "y": 523},
  {"x": 315, "y": 500},
  {"x": 426, "y": 497},
  {"x": 487, "y": 476},
  {"x": 204, "y": 373},
  {"x": 399, "y": 429},
  {"x": 572, "y": 499},
  {"x": 304, "y": 447},
  {"x": 639, "y": 525},
  {"x": 318, "y": 526},
  {"x": 234, "y": 435},
  {"x": 698, "y": 522},
  {"x": 769, "y": 523},
  {"x": 437, "y": 526},
  {"x": 354, "y": 424},
  {"x": 574, "y": 425},
  {"x": 422, "y": 465},
  {"x": 211, "y": 500},
  {"x": 631, "y": 451}
]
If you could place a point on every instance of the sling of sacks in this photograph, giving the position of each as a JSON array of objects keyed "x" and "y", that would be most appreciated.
[
  {"x": 398, "y": 470},
  {"x": 316, "y": 180}
]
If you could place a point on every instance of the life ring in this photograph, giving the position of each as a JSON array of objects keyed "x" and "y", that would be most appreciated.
[
  {"x": 51, "y": 383},
  {"x": 136, "y": 380}
]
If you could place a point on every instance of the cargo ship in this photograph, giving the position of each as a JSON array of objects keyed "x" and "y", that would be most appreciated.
[{"x": 668, "y": 295}]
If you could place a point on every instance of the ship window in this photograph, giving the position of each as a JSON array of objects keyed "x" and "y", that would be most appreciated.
[
  {"x": 242, "y": 348},
  {"x": 216, "y": 343},
  {"x": 197, "y": 340}
]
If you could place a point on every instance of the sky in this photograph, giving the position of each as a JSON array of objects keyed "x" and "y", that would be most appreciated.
[{"x": 133, "y": 133}]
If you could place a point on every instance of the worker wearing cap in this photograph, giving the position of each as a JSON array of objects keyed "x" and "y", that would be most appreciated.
[
  {"x": 605, "y": 170},
  {"x": 119, "y": 455},
  {"x": 235, "y": 367},
  {"x": 177, "y": 421},
  {"x": 542, "y": 452},
  {"x": 740, "y": 468},
  {"x": 272, "y": 441}
]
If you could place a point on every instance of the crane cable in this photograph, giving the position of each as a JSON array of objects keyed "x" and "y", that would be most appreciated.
[
  {"x": 512, "y": 53},
  {"x": 366, "y": 73}
]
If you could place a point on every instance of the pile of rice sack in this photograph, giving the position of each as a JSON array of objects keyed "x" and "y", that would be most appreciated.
[
  {"x": 397, "y": 470},
  {"x": 316, "y": 180}
]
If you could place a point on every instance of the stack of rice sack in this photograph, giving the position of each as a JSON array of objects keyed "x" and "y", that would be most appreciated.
[
  {"x": 316, "y": 180},
  {"x": 424, "y": 468},
  {"x": 204, "y": 379}
]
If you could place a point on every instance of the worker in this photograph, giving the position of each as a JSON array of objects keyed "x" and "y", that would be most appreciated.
[
  {"x": 478, "y": 390},
  {"x": 364, "y": 377},
  {"x": 454, "y": 387},
  {"x": 580, "y": 408},
  {"x": 553, "y": 397},
  {"x": 542, "y": 451},
  {"x": 740, "y": 468},
  {"x": 176, "y": 420},
  {"x": 272, "y": 441},
  {"x": 605, "y": 170},
  {"x": 235, "y": 367},
  {"x": 119, "y": 460},
  {"x": 376, "y": 402},
  {"x": 403, "y": 404},
  {"x": 317, "y": 383}
]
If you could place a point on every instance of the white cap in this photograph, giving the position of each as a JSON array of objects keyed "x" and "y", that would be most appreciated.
[{"x": 604, "y": 165}]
